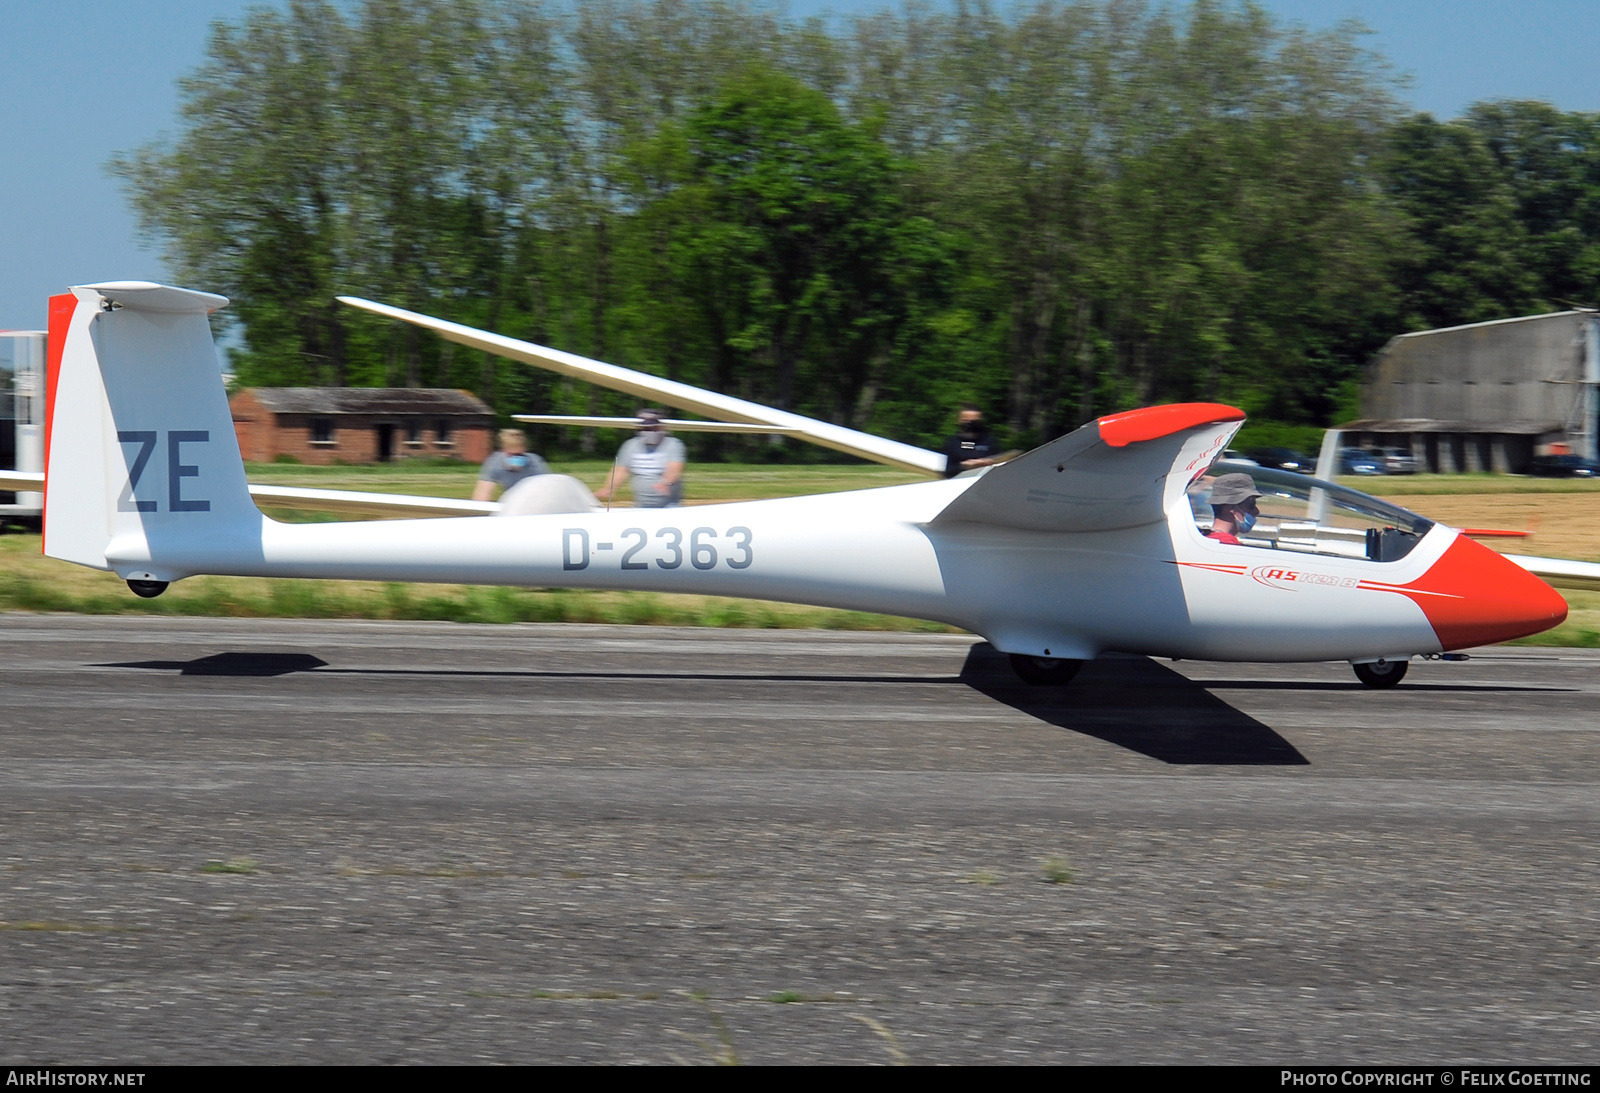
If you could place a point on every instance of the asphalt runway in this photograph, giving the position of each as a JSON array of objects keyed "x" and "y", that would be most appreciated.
[{"x": 270, "y": 841}]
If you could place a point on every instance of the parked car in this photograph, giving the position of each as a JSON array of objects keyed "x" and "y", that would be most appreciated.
[
  {"x": 1356, "y": 461},
  {"x": 1283, "y": 458},
  {"x": 1396, "y": 460},
  {"x": 1233, "y": 455},
  {"x": 1564, "y": 466}
]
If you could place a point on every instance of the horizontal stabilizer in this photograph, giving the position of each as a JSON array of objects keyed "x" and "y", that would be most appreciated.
[
  {"x": 670, "y": 392},
  {"x": 161, "y": 299},
  {"x": 1121, "y": 471},
  {"x": 1494, "y": 533}
]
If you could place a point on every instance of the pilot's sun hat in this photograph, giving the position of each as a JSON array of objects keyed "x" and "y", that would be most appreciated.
[{"x": 1233, "y": 489}]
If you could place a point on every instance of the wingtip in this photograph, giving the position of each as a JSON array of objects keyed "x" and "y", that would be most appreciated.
[{"x": 1154, "y": 422}]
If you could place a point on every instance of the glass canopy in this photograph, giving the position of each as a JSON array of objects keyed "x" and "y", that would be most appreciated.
[{"x": 1315, "y": 517}]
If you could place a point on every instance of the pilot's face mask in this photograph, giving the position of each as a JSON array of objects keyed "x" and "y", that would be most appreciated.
[
  {"x": 651, "y": 437},
  {"x": 1244, "y": 516}
]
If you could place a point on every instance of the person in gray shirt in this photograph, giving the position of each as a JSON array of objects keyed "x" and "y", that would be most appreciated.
[
  {"x": 510, "y": 465},
  {"x": 653, "y": 460}
]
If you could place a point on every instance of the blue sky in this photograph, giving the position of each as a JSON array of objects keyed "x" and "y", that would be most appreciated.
[{"x": 79, "y": 83}]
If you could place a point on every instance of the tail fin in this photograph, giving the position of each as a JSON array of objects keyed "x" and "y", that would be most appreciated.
[{"x": 140, "y": 447}]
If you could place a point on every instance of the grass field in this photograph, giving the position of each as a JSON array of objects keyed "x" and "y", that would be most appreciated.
[{"x": 1564, "y": 515}]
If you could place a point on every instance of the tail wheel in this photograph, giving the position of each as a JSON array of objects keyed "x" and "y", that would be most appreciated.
[
  {"x": 1382, "y": 673},
  {"x": 1044, "y": 671}
]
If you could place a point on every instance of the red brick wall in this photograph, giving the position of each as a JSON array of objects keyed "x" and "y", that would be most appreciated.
[
  {"x": 475, "y": 443},
  {"x": 253, "y": 426},
  {"x": 263, "y": 436}
]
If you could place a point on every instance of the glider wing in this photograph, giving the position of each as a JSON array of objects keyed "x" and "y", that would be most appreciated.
[
  {"x": 1561, "y": 573},
  {"x": 358, "y": 503},
  {"x": 1121, "y": 471},
  {"x": 670, "y": 392},
  {"x": 22, "y": 481}
]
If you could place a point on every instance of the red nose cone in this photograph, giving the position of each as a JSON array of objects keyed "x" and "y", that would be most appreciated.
[{"x": 1473, "y": 596}]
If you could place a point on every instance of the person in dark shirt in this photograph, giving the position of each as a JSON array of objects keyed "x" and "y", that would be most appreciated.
[
  {"x": 1233, "y": 508},
  {"x": 973, "y": 446}
]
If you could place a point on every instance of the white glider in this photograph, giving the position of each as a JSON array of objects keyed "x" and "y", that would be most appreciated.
[{"x": 1087, "y": 544}]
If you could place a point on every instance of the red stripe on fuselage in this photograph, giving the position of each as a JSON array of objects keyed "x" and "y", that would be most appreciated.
[{"x": 61, "y": 310}]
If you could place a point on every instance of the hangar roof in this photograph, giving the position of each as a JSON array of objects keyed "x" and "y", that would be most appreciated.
[{"x": 333, "y": 401}]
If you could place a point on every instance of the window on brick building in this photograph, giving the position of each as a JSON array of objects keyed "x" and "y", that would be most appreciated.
[
  {"x": 441, "y": 434},
  {"x": 322, "y": 430}
]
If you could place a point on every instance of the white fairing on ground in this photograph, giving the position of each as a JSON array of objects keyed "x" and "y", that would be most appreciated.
[
  {"x": 544, "y": 494},
  {"x": 1084, "y": 545}
]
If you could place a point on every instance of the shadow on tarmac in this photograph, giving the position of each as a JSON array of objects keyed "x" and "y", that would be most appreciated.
[
  {"x": 232, "y": 664},
  {"x": 1137, "y": 704},
  {"x": 1129, "y": 701}
]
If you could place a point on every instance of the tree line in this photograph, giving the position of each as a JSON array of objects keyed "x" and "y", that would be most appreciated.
[{"x": 1053, "y": 211}]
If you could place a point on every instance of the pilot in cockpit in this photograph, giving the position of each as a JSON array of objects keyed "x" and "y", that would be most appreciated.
[{"x": 1233, "y": 505}]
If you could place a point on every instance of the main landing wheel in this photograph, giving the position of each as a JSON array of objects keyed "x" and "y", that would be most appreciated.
[
  {"x": 1382, "y": 673},
  {"x": 1044, "y": 671},
  {"x": 148, "y": 590}
]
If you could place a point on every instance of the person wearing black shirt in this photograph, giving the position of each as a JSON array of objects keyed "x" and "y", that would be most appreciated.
[{"x": 972, "y": 446}]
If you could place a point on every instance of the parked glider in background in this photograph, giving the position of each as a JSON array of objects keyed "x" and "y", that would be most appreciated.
[{"x": 1086, "y": 544}]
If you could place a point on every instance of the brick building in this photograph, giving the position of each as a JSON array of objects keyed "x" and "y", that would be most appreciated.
[{"x": 361, "y": 424}]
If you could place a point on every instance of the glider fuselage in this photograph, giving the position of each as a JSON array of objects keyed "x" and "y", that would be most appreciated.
[{"x": 1161, "y": 589}]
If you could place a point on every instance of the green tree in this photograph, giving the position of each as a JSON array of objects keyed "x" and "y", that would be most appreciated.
[
  {"x": 249, "y": 201},
  {"x": 1550, "y": 163},
  {"x": 1056, "y": 210},
  {"x": 1467, "y": 259},
  {"x": 802, "y": 233}
]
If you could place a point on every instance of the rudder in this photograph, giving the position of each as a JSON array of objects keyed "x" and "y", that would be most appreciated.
[{"x": 140, "y": 447}]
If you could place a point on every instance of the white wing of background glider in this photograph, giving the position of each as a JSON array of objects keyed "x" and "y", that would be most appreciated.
[
  {"x": 22, "y": 481},
  {"x": 1121, "y": 471},
  {"x": 1561, "y": 573},
  {"x": 677, "y": 425},
  {"x": 358, "y": 503},
  {"x": 681, "y": 395},
  {"x": 344, "y": 502}
]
